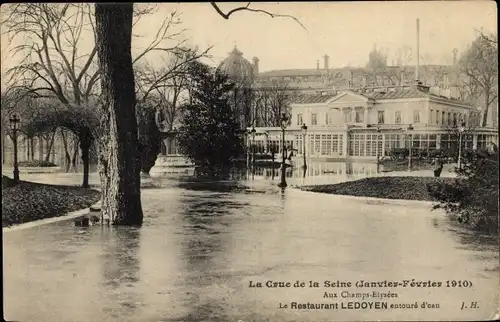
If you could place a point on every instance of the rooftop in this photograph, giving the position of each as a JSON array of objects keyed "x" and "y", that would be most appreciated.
[
  {"x": 378, "y": 94},
  {"x": 356, "y": 70}
]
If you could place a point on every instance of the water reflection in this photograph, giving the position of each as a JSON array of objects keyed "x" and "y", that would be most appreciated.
[
  {"x": 199, "y": 247},
  {"x": 121, "y": 270},
  {"x": 205, "y": 237}
]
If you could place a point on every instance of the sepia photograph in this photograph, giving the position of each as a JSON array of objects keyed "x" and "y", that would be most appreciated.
[{"x": 250, "y": 161}]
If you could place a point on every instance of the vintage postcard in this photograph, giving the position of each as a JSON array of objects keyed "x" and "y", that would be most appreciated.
[{"x": 250, "y": 161}]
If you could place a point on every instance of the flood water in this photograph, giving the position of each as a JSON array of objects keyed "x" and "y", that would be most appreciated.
[{"x": 201, "y": 246}]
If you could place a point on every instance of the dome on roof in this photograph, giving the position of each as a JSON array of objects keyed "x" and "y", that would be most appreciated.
[{"x": 237, "y": 68}]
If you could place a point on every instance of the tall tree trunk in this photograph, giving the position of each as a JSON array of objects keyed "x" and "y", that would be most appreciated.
[
  {"x": 484, "y": 121},
  {"x": 40, "y": 147},
  {"x": 31, "y": 155},
  {"x": 85, "y": 144},
  {"x": 118, "y": 150},
  {"x": 75, "y": 153},
  {"x": 67, "y": 157},
  {"x": 49, "y": 146},
  {"x": 28, "y": 148}
]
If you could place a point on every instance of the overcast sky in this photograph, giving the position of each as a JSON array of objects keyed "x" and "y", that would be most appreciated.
[{"x": 345, "y": 31}]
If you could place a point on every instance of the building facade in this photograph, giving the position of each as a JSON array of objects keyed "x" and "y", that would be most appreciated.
[
  {"x": 367, "y": 125},
  {"x": 358, "y": 113}
]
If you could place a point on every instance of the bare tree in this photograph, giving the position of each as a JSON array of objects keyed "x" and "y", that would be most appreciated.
[
  {"x": 55, "y": 62},
  {"x": 479, "y": 69},
  {"x": 271, "y": 100},
  {"x": 165, "y": 86}
]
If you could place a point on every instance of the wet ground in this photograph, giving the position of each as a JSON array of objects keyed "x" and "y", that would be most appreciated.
[{"x": 201, "y": 246}]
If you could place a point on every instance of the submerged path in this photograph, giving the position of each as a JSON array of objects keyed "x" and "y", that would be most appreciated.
[{"x": 199, "y": 250}]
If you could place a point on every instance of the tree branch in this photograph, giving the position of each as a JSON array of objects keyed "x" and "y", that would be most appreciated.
[{"x": 246, "y": 8}]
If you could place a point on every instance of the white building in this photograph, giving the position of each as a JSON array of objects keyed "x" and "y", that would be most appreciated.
[{"x": 366, "y": 124}]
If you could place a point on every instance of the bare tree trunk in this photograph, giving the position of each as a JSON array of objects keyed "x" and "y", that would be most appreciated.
[
  {"x": 40, "y": 147},
  {"x": 75, "y": 154},
  {"x": 49, "y": 146},
  {"x": 31, "y": 155},
  {"x": 67, "y": 157},
  {"x": 85, "y": 144},
  {"x": 484, "y": 121},
  {"x": 28, "y": 148},
  {"x": 118, "y": 150}
]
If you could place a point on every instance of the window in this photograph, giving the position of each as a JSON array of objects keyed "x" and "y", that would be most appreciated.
[
  {"x": 397, "y": 117},
  {"x": 443, "y": 117},
  {"x": 314, "y": 120},
  {"x": 416, "y": 116},
  {"x": 454, "y": 118},
  {"x": 431, "y": 121},
  {"x": 392, "y": 141},
  {"x": 360, "y": 116},
  {"x": 449, "y": 118},
  {"x": 299, "y": 119},
  {"x": 326, "y": 144},
  {"x": 437, "y": 117},
  {"x": 365, "y": 145},
  {"x": 380, "y": 117},
  {"x": 300, "y": 144},
  {"x": 327, "y": 118}
]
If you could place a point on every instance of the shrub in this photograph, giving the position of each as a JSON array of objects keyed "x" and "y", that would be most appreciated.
[
  {"x": 36, "y": 164},
  {"x": 7, "y": 182},
  {"x": 473, "y": 197}
]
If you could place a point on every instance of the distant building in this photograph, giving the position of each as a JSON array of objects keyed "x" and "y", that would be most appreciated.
[
  {"x": 368, "y": 124},
  {"x": 360, "y": 112}
]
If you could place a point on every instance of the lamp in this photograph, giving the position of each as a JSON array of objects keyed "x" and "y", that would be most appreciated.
[
  {"x": 253, "y": 149},
  {"x": 409, "y": 129},
  {"x": 14, "y": 120},
  {"x": 461, "y": 130},
  {"x": 284, "y": 123},
  {"x": 378, "y": 151},
  {"x": 304, "y": 133}
]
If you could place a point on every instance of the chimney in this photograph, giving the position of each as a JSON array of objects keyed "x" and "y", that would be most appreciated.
[
  {"x": 455, "y": 51},
  {"x": 445, "y": 81},
  {"x": 256, "y": 66},
  {"x": 418, "y": 51},
  {"x": 317, "y": 64},
  {"x": 326, "y": 57}
]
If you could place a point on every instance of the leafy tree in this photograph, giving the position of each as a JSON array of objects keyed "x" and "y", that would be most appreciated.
[{"x": 208, "y": 134}]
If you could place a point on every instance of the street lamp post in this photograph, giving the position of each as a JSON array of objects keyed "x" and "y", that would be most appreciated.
[
  {"x": 409, "y": 129},
  {"x": 284, "y": 120},
  {"x": 14, "y": 120},
  {"x": 304, "y": 133},
  {"x": 461, "y": 130},
  {"x": 378, "y": 152},
  {"x": 253, "y": 150},
  {"x": 247, "y": 150}
]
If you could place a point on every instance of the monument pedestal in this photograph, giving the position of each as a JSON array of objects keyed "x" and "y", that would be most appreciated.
[{"x": 171, "y": 164}]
